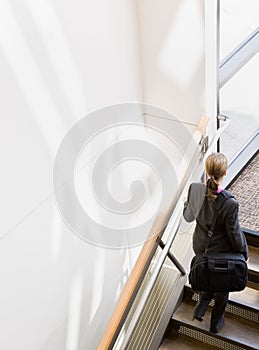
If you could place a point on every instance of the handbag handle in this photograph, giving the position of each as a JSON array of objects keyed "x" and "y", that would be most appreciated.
[{"x": 221, "y": 265}]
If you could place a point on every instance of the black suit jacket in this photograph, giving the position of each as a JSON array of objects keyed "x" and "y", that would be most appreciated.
[{"x": 227, "y": 235}]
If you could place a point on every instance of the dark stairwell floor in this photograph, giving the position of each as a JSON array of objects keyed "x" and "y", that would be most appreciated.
[{"x": 246, "y": 189}]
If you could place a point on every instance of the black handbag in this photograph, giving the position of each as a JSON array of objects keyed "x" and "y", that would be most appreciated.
[{"x": 218, "y": 272}]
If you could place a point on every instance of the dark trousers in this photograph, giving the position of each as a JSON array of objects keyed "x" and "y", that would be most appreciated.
[{"x": 217, "y": 315}]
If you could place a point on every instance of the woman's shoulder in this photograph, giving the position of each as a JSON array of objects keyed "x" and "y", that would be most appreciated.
[
  {"x": 197, "y": 186},
  {"x": 230, "y": 200},
  {"x": 196, "y": 191},
  {"x": 228, "y": 195},
  {"x": 192, "y": 206}
]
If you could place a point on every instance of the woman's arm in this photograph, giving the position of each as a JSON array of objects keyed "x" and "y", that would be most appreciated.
[{"x": 194, "y": 201}]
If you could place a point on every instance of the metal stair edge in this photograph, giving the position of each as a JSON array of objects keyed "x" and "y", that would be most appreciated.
[
  {"x": 209, "y": 335},
  {"x": 232, "y": 300}
]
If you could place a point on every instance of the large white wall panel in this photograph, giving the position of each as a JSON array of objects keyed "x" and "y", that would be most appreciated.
[
  {"x": 59, "y": 60},
  {"x": 172, "y": 55}
]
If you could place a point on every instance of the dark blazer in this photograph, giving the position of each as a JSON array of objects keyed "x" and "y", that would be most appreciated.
[{"x": 227, "y": 235}]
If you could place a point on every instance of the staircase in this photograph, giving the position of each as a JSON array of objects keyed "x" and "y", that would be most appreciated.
[{"x": 241, "y": 328}]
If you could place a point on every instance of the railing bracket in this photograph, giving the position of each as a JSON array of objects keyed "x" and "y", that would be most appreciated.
[
  {"x": 204, "y": 144},
  {"x": 173, "y": 259}
]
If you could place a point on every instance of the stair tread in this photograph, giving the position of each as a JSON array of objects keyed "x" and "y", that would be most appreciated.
[
  {"x": 253, "y": 263},
  {"x": 235, "y": 328},
  {"x": 183, "y": 342},
  {"x": 248, "y": 297},
  {"x": 253, "y": 285}
]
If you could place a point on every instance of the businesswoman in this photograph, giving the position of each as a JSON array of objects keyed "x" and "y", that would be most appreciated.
[{"x": 227, "y": 236}]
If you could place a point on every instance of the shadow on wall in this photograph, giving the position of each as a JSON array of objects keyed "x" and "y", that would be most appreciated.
[{"x": 88, "y": 309}]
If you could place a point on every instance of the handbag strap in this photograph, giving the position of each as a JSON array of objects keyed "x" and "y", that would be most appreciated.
[{"x": 220, "y": 200}]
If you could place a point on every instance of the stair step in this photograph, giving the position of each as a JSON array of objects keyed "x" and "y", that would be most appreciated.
[
  {"x": 253, "y": 285},
  {"x": 252, "y": 237},
  {"x": 253, "y": 261},
  {"x": 179, "y": 341},
  {"x": 244, "y": 304},
  {"x": 253, "y": 266},
  {"x": 239, "y": 332},
  {"x": 248, "y": 298}
]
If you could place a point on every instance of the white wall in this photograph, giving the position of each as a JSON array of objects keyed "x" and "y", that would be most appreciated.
[
  {"x": 172, "y": 55},
  {"x": 59, "y": 61}
]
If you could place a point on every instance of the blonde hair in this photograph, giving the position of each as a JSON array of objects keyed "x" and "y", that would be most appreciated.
[{"x": 216, "y": 164}]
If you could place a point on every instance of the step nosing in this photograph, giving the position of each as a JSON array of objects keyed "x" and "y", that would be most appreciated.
[
  {"x": 217, "y": 336},
  {"x": 248, "y": 299},
  {"x": 243, "y": 306}
]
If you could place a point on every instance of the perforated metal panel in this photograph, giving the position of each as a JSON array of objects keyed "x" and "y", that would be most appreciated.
[
  {"x": 154, "y": 308},
  {"x": 207, "y": 339}
]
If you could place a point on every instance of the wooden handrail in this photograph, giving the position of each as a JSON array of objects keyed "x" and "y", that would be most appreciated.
[{"x": 142, "y": 263}]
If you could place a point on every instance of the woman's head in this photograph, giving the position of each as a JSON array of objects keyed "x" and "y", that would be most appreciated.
[{"x": 216, "y": 166}]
